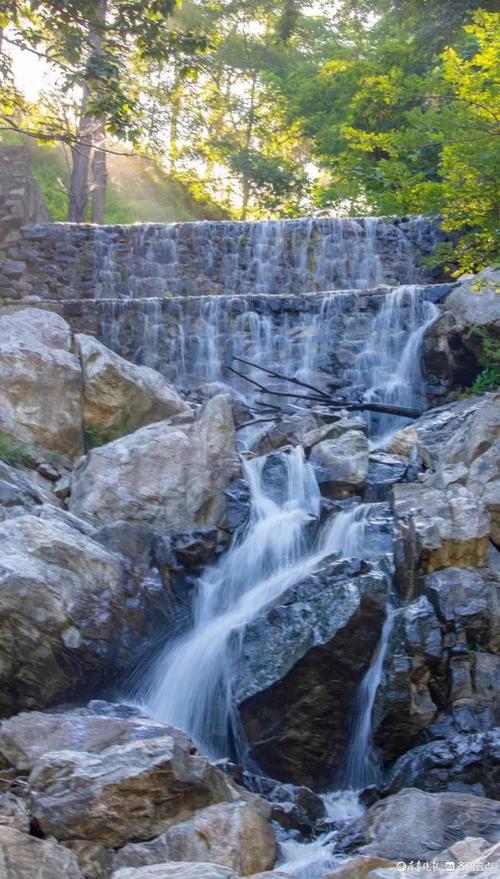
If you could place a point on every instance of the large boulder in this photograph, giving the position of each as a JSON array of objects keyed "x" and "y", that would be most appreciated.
[
  {"x": 404, "y": 705},
  {"x": 126, "y": 793},
  {"x": 341, "y": 463},
  {"x": 416, "y": 825},
  {"x": 26, "y": 737},
  {"x": 40, "y": 383},
  {"x": 26, "y": 857},
  {"x": 437, "y": 528},
  {"x": 295, "y": 659},
  {"x": 468, "y": 602},
  {"x": 454, "y": 344},
  {"x": 118, "y": 396},
  {"x": 172, "y": 476},
  {"x": 68, "y": 615},
  {"x": 235, "y": 835},
  {"x": 448, "y": 519},
  {"x": 468, "y": 763}
]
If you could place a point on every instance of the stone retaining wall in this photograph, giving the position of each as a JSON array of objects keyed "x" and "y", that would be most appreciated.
[
  {"x": 20, "y": 203},
  {"x": 65, "y": 261}
]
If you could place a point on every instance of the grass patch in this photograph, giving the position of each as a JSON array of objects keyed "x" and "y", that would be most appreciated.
[{"x": 14, "y": 453}]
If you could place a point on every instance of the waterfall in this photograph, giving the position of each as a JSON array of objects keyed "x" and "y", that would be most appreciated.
[
  {"x": 362, "y": 766},
  {"x": 375, "y": 346},
  {"x": 389, "y": 365},
  {"x": 191, "y": 684},
  {"x": 227, "y": 258},
  {"x": 371, "y": 351},
  {"x": 190, "y": 339}
]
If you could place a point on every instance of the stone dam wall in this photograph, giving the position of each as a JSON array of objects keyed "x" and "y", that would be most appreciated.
[{"x": 58, "y": 261}]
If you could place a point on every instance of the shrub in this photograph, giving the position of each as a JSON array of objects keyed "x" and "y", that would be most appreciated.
[{"x": 14, "y": 453}]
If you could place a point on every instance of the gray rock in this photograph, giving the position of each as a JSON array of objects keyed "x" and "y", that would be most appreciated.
[
  {"x": 68, "y": 615},
  {"x": 414, "y": 824},
  {"x": 404, "y": 704},
  {"x": 469, "y": 763},
  {"x": 295, "y": 659},
  {"x": 437, "y": 528},
  {"x": 13, "y": 813},
  {"x": 29, "y": 735},
  {"x": 467, "y": 601},
  {"x": 170, "y": 476},
  {"x": 342, "y": 463},
  {"x": 126, "y": 793},
  {"x": 175, "y": 871},
  {"x": 234, "y": 835},
  {"x": 452, "y": 346},
  {"x": 119, "y": 396},
  {"x": 239, "y": 406},
  {"x": 20, "y": 493},
  {"x": 290, "y": 430},
  {"x": 25, "y": 857},
  {"x": 40, "y": 383}
]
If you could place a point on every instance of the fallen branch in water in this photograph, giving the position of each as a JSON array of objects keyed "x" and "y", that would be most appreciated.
[{"x": 320, "y": 396}]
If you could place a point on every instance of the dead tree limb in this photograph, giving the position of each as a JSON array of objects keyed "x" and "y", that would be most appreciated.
[
  {"x": 321, "y": 396},
  {"x": 286, "y": 378}
]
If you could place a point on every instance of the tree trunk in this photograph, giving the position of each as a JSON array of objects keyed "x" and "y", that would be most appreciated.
[
  {"x": 246, "y": 185},
  {"x": 99, "y": 177},
  {"x": 80, "y": 152},
  {"x": 82, "y": 149}
]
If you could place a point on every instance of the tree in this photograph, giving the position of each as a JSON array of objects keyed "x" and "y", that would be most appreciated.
[
  {"x": 400, "y": 131},
  {"x": 92, "y": 47}
]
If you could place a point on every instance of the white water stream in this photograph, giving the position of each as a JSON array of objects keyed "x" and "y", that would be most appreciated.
[{"x": 191, "y": 684}]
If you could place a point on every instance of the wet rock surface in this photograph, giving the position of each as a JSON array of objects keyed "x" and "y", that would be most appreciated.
[
  {"x": 454, "y": 345},
  {"x": 462, "y": 763},
  {"x": 417, "y": 825},
  {"x": 96, "y": 563},
  {"x": 294, "y": 662}
]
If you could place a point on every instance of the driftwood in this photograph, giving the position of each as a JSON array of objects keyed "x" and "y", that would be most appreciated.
[{"x": 317, "y": 395}]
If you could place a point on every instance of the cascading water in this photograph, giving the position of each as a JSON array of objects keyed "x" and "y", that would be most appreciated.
[
  {"x": 191, "y": 685},
  {"x": 369, "y": 344},
  {"x": 362, "y": 766},
  {"x": 389, "y": 365},
  {"x": 227, "y": 258}
]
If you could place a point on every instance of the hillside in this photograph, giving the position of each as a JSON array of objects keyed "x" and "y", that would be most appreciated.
[{"x": 138, "y": 191}]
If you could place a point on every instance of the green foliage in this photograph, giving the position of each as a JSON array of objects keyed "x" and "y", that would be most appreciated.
[
  {"x": 489, "y": 378},
  {"x": 14, "y": 453},
  {"x": 95, "y": 436},
  {"x": 402, "y": 130},
  {"x": 138, "y": 190},
  {"x": 277, "y": 108}
]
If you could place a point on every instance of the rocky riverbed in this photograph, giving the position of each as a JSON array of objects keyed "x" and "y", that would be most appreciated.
[{"x": 119, "y": 490}]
